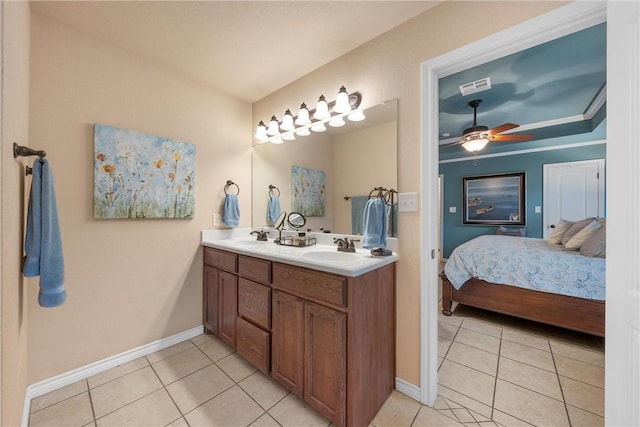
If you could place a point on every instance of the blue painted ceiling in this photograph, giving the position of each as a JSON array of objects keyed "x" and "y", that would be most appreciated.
[{"x": 550, "y": 90}]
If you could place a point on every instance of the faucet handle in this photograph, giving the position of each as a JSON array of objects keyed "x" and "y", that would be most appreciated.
[{"x": 352, "y": 241}]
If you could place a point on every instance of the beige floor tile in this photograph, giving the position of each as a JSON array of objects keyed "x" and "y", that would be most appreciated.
[
  {"x": 428, "y": 417},
  {"x": 216, "y": 349},
  {"x": 482, "y": 326},
  {"x": 452, "y": 320},
  {"x": 530, "y": 377},
  {"x": 58, "y": 395},
  {"x": 399, "y": 410},
  {"x": 474, "y": 358},
  {"x": 180, "y": 422},
  {"x": 581, "y": 371},
  {"x": 119, "y": 392},
  {"x": 464, "y": 416},
  {"x": 265, "y": 421},
  {"x": 180, "y": 365},
  {"x": 169, "y": 351},
  {"x": 440, "y": 403},
  {"x": 580, "y": 418},
  {"x": 236, "y": 366},
  {"x": 447, "y": 331},
  {"x": 74, "y": 411},
  {"x": 443, "y": 346},
  {"x": 231, "y": 408},
  {"x": 117, "y": 372},
  {"x": 478, "y": 340},
  {"x": 529, "y": 355},
  {"x": 583, "y": 396},
  {"x": 507, "y": 420},
  {"x": 584, "y": 354},
  {"x": 201, "y": 339},
  {"x": 195, "y": 389},
  {"x": 453, "y": 398},
  {"x": 524, "y": 338},
  {"x": 474, "y": 384},
  {"x": 263, "y": 389},
  {"x": 529, "y": 406},
  {"x": 155, "y": 409}
]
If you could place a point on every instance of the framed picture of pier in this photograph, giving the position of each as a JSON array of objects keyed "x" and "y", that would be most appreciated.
[{"x": 494, "y": 199}]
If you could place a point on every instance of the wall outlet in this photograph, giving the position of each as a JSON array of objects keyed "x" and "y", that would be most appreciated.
[
  {"x": 216, "y": 220},
  {"x": 408, "y": 202}
]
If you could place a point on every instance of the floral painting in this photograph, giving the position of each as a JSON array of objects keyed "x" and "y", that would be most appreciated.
[
  {"x": 307, "y": 188},
  {"x": 142, "y": 176}
]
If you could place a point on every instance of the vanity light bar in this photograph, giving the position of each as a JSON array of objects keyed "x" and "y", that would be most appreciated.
[{"x": 333, "y": 113}]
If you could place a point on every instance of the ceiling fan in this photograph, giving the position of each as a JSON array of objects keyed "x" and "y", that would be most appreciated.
[{"x": 477, "y": 136}]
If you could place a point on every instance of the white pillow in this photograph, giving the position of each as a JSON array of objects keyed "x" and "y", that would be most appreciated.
[
  {"x": 583, "y": 235},
  {"x": 556, "y": 235}
]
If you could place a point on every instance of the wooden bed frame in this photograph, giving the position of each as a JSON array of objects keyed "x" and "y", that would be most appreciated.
[{"x": 579, "y": 314}]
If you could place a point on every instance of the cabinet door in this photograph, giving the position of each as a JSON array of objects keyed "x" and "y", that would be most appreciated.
[
  {"x": 228, "y": 284},
  {"x": 325, "y": 361},
  {"x": 211, "y": 300},
  {"x": 287, "y": 341}
]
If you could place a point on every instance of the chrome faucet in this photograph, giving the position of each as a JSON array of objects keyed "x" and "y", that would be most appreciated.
[
  {"x": 345, "y": 244},
  {"x": 262, "y": 235}
]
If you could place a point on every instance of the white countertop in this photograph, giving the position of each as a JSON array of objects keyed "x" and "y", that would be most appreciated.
[{"x": 321, "y": 257}]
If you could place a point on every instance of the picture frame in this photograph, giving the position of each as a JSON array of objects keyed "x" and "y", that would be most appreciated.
[{"x": 494, "y": 199}]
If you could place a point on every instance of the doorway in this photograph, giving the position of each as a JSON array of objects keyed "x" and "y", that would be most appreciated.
[{"x": 563, "y": 21}]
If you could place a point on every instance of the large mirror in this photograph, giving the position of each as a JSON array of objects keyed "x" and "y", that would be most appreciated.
[{"x": 352, "y": 160}]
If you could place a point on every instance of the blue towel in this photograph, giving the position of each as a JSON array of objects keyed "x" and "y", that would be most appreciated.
[
  {"x": 43, "y": 245},
  {"x": 231, "y": 214},
  {"x": 273, "y": 210},
  {"x": 374, "y": 224},
  {"x": 357, "y": 213}
]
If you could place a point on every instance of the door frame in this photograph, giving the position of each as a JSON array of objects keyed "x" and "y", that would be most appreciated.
[
  {"x": 545, "y": 188},
  {"x": 557, "y": 23}
]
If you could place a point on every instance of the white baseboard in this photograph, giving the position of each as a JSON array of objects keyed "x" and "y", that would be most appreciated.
[
  {"x": 411, "y": 390},
  {"x": 45, "y": 386}
]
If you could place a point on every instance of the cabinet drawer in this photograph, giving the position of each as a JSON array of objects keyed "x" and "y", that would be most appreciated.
[
  {"x": 220, "y": 259},
  {"x": 254, "y": 302},
  {"x": 311, "y": 284},
  {"x": 253, "y": 344},
  {"x": 255, "y": 269}
]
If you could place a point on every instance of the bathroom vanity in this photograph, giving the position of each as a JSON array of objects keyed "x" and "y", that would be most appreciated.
[{"x": 319, "y": 322}]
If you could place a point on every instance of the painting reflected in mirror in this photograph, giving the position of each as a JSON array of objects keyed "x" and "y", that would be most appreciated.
[{"x": 355, "y": 159}]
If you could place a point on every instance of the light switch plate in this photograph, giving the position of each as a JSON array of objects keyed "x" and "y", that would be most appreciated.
[
  {"x": 408, "y": 202},
  {"x": 537, "y": 209},
  {"x": 216, "y": 220},
  {"x": 452, "y": 209}
]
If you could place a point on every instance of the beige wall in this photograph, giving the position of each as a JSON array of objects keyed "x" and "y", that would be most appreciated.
[
  {"x": 129, "y": 282},
  {"x": 15, "y": 127},
  {"x": 389, "y": 67}
]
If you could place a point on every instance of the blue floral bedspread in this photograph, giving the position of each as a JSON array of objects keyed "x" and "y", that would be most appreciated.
[{"x": 528, "y": 263}]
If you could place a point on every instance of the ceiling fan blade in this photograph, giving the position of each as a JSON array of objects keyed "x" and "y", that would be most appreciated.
[
  {"x": 502, "y": 128},
  {"x": 451, "y": 144},
  {"x": 503, "y": 138}
]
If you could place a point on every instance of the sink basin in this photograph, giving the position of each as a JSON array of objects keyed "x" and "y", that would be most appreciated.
[{"x": 334, "y": 256}]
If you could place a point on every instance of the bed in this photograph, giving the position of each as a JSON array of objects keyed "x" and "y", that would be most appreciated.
[{"x": 528, "y": 278}]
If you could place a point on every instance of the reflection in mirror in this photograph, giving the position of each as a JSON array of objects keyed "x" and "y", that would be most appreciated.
[
  {"x": 296, "y": 220},
  {"x": 355, "y": 158}
]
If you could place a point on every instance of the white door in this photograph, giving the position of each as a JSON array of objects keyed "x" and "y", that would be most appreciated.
[
  {"x": 622, "y": 346},
  {"x": 572, "y": 191}
]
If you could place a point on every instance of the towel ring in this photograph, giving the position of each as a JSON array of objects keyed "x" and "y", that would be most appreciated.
[
  {"x": 381, "y": 192},
  {"x": 273, "y": 188},
  {"x": 229, "y": 184}
]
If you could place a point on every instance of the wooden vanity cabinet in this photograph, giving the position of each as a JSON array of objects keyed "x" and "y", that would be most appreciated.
[{"x": 220, "y": 294}]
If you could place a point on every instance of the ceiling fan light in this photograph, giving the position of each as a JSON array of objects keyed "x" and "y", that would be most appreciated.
[
  {"x": 356, "y": 116},
  {"x": 475, "y": 144},
  {"x": 287, "y": 121},
  {"x": 322, "y": 109},
  {"x": 261, "y": 132},
  {"x": 303, "y": 116},
  {"x": 274, "y": 126},
  {"x": 342, "y": 101}
]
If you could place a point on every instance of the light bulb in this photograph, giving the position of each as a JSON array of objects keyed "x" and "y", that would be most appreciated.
[
  {"x": 337, "y": 122},
  {"x": 322, "y": 109},
  {"x": 475, "y": 144},
  {"x": 303, "y": 132},
  {"x": 287, "y": 121},
  {"x": 318, "y": 127},
  {"x": 303, "y": 116},
  {"x": 261, "y": 132},
  {"x": 289, "y": 136},
  {"x": 276, "y": 140},
  {"x": 342, "y": 101},
  {"x": 356, "y": 116},
  {"x": 274, "y": 126}
]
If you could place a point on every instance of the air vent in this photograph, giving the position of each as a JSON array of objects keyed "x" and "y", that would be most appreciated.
[{"x": 477, "y": 86}]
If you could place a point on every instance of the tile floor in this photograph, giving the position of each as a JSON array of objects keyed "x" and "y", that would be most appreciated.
[{"x": 493, "y": 371}]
